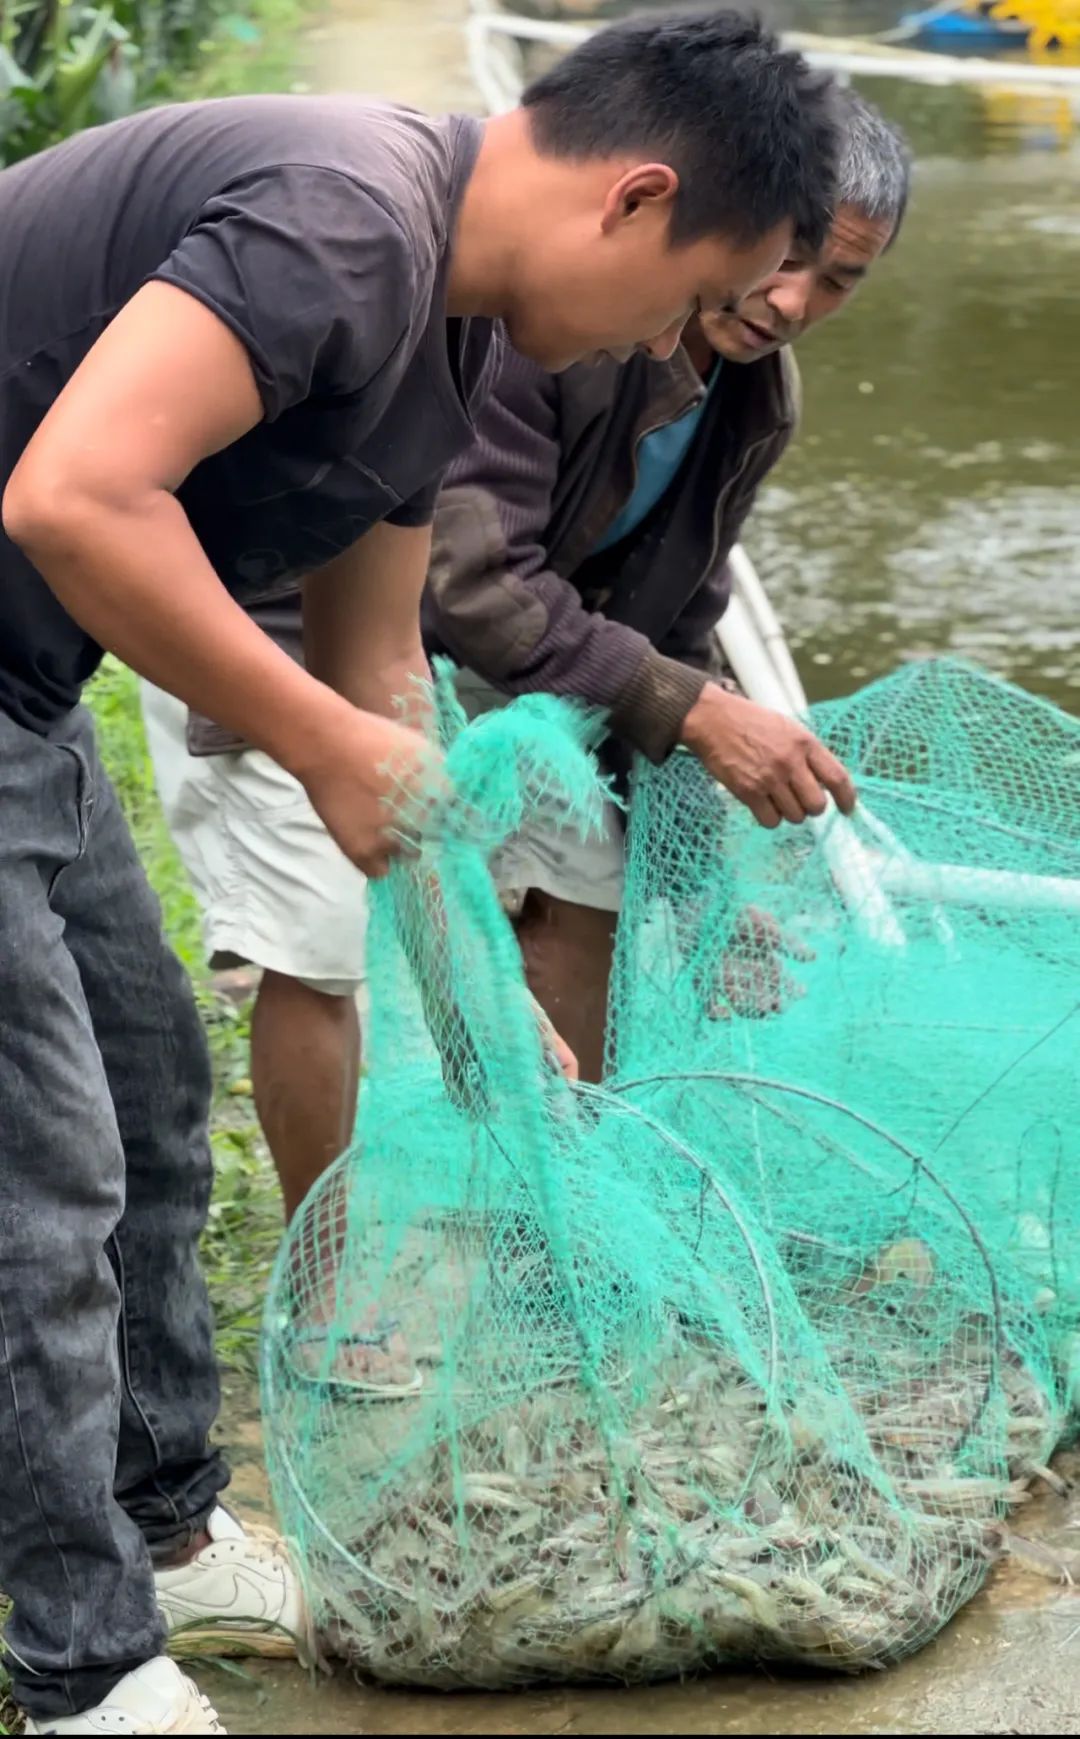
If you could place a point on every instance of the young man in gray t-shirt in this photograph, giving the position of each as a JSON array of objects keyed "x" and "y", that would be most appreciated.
[{"x": 239, "y": 342}]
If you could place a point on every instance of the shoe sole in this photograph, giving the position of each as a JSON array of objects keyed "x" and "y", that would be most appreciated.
[{"x": 232, "y": 1641}]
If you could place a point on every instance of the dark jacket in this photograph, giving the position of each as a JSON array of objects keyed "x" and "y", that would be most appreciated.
[{"x": 514, "y": 590}]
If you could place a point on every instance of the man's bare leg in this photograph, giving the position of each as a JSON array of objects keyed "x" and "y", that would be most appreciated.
[
  {"x": 305, "y": 1069},
  {"x": 567, "y": 951}
]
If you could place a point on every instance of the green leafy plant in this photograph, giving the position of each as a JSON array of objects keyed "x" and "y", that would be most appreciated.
[{"x": 66, "y": 64}]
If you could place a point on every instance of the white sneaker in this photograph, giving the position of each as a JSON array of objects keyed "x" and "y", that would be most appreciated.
[
  {"x": 156, "y": 1698},
  {"x": 241, "y": 1586}
]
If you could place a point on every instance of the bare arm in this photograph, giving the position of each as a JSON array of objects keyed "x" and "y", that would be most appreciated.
[
  {"x": 362, "y": 619},
  {"x": 362, "y": 635},
  {"x": 92, "y": 504}
]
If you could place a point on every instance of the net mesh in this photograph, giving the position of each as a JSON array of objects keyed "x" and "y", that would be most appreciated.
[{"x": 747, "y": 1354}]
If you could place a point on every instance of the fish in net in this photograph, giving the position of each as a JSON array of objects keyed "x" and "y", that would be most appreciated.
[{"x": 745, "y": 1354}]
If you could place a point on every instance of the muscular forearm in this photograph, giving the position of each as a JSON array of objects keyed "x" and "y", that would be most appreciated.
[
  {"x": 167, "y": 615},
  {"x": 171, "y": 385}
]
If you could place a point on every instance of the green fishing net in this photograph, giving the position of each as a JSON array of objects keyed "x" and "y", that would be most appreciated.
[{"x": 747, "y": 1354}]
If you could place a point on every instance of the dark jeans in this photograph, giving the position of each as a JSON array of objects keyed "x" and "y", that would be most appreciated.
[{"x": 108, "y": 1386}]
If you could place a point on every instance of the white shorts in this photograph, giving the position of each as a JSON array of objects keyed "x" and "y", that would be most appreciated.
[
  {"x": 273, "y": 888},
  {"x": 546, "y": 855}
]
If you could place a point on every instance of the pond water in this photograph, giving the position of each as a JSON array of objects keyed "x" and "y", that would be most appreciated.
[{"x": 933, "y": 502}]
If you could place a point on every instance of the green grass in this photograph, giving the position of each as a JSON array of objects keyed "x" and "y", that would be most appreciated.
[
  {"x": 67, "y": 64},
  {"x": 256, "y": 52},
  {"x": 114, "y": 700},
  {"x": 10, "y": 1718}
]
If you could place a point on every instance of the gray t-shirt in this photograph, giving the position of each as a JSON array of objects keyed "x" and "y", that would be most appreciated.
[{"x": 318, "y": 230}]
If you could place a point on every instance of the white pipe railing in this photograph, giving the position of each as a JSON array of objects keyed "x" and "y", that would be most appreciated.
[
  {"x": 942, "y": 69},
  {"x": 855, "y": 877},
  {"x": 755, "y": 646},
  {"x": 747, "y": 585},
  {"x": 495, "y": 62},
  {"x": 849, "y": 59}
]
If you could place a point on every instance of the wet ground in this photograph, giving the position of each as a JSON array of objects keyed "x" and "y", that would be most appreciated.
[
  {"x": 994, "y": 1673},
  {"x": 1009, "y": 1664},
  {"x": 933, "y": 503}
]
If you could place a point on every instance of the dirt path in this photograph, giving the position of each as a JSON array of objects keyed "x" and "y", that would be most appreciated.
[{"x": 412, "y": 50}]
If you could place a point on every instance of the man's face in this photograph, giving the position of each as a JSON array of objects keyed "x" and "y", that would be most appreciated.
[
  {"x": 801, "y": 292},
  {"x": 605, "y": 279}
]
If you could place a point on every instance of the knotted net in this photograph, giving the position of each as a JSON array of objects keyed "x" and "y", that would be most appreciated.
[{"x": 746, "y": 1354}]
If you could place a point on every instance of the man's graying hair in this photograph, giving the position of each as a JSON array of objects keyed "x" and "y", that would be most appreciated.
[{"x": 874, "y": 177}]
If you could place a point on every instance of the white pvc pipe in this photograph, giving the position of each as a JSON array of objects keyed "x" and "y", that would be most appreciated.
[
  {"x": 894, "y": 871},
  {"x": 492, "y": 68},
  {"x": 915, "y": 66},
  {"x": 531, "y": 29},
  {"x": 924, "y": 69},
  {"x": 749, "y": 658},
  {"x": 748, "y": 586},
  {"x": 854, "y": 874},
  {"x": 952, "y": 884}
]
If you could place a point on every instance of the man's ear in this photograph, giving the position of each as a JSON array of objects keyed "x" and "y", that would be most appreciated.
[{"x": 648, "y": 186}]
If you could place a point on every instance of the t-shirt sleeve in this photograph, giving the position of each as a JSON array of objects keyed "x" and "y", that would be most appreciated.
[{"x": 311, "y": 272}]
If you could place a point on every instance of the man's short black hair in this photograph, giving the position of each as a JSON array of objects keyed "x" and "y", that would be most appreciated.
[{"x": 752, "y": 133}]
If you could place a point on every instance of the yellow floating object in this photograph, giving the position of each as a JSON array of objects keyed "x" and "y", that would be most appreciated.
[{"x": 1049, "y": 23}]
